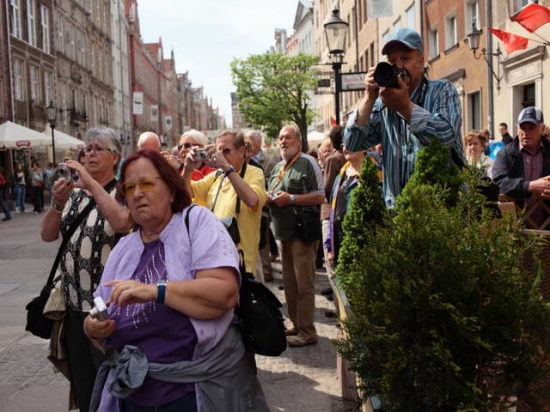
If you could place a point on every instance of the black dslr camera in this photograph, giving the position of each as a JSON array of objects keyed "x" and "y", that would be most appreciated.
[{"x": 386, "y": 74}]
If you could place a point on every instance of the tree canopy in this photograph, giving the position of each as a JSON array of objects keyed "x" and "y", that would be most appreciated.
[{"x": 273, "y": 90}]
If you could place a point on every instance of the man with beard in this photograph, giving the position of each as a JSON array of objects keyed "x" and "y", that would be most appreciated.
[{"x": 295, "y": 191}]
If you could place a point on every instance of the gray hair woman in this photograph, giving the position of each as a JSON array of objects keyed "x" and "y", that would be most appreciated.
[{"x": 87, "y": 249}]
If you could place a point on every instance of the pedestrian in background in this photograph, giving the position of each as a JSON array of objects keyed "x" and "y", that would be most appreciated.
[
  {"x": 37, "y": 187},
  {"x": 5, "y": 208},
  {"x": 20, "y": 188},
  {"x": 295, "y": 189},
  {"x": 87, "y": 250}
]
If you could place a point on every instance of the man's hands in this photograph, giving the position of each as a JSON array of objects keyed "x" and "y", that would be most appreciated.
[
  {"x": 540, "y": 187},
  {"x": 397, "y": 98},
  {"x": 280, "y": 198}
]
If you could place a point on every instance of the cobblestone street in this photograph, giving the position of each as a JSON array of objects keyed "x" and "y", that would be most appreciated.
[{"x": 301, "y": 379}]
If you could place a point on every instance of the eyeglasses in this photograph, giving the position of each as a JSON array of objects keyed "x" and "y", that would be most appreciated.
[
  {"x": 98, "y": 149},
  {"x": 188, "y": 146},
  {"x": 146, "y": 184}
]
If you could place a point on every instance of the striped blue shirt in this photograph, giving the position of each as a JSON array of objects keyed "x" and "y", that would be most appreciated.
[{"x": 439, "y": 116}]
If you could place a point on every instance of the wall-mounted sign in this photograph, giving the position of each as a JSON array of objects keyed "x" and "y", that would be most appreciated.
[
  {"x": 353, "y": 81},
  {"x": 379, "y": 8},
  {"x": 137, "y": 106},
  {"x": 154, "y": 113},
  {"x": 168, "y": 122}
]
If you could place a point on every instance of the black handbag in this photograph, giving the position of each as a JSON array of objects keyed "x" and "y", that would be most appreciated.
[
  {"x": 258, "y": 314},
  {"x": 260, "y": 319},
  {"x": 308, "y": 223},
  {"x": 37, "y": 324}
]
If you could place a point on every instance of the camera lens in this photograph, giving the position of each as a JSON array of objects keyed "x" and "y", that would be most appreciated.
[{"x": 385, "y": 75}]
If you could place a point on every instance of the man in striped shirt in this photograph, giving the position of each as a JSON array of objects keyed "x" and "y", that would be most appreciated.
[{"x": 407, "y": 117}]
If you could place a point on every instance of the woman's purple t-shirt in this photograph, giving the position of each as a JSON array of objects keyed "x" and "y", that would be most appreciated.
[{"x": 163, "y": 334}]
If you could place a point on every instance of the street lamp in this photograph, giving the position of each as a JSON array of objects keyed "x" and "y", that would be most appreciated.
[
  {"x": 51, "y": 114},
  {"x": 336, "y": 30},
  {"x": 473, "y": 42}
]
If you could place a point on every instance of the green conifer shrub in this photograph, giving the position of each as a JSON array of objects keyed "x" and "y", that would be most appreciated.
[{"x": 444, "y": 315}]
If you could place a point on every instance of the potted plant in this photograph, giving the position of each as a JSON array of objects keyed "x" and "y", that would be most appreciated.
[{"x": 444, "y": 314}]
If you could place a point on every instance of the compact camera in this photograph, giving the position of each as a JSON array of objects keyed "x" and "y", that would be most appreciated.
[
  {"x": 66, "y": 173},
  {"x": 201, "y": 155},
  {"x": 386, "y": 74},
  {"x": 99, "y": 311},
  {"x": 272, "y": 195}
]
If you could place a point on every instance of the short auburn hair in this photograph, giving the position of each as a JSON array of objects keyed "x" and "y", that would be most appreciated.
[{"x": 166, "y": 172}]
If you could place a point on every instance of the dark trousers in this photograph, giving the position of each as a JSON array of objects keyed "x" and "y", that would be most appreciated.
[
  {"x": 37, "y": 199},
  {"x": 187, "y": 403},
  {"x": 84, "y": 359}
]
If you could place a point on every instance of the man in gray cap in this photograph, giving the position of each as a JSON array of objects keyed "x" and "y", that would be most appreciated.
[
  {"x": 405, "y": 116},
  {"x": 522, "y": 168}
]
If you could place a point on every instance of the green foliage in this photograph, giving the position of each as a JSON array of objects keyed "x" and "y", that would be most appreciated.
[
  {"x": 367, "y": 210},
  {"x": 272, "y": 90},
  {"x": 445, "y": 315}
]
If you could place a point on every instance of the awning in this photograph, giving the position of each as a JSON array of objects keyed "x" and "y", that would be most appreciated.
[
  {"x": 14, "y": 136},
  {"x": 63, "y": 141}
]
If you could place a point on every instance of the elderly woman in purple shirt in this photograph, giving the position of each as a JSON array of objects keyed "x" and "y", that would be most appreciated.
[{"x": 171, "y": 287}]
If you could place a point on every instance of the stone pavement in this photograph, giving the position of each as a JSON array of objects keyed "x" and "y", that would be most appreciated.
[{"x": 301, "y": 379}]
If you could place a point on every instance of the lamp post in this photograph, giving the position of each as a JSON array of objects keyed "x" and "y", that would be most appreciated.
[
  {"x": 51, "y": 114},
  {"x": 473, "y": 42},
  {"x": 335, "y": 31}
]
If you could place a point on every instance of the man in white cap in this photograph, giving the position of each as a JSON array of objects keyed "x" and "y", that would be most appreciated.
[
  {"x": 406, "y": 115},
  {"x": 522, "y": 168}
]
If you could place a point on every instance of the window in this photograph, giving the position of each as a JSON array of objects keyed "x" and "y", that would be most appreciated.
[
  {"x": 15, "y": 18},
  {"x": 397, "y": 25},
  {"x": 19, "y": 80},
  {"x": 35, "y": 84},
  {"x": 45, "y": 22},
  {"x": 385, "y": 36},
  {"x": 47, "y": 87},
  {"x": 451, "y": 38},
  {"x": 79, "y": 47},
  {"x": 411, "y": 18},
  {"x": 474, "y": 115},
  {"x": 433, "y": 43},
  {"x": 31, "y": 22},
  {"x": 529, "y": 98},
  {"x": 519, "y": 4},
  {"x": 473, "y": 18},
  {"x": 61, "y": 33}
]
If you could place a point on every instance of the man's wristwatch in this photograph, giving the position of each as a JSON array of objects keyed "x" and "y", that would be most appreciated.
[
  {"x": 229, "y": 171},
  {"x": 292, "y": 199}
]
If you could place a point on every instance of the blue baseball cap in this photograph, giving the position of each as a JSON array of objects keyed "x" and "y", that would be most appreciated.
[
  {"x": 406, "y": 37},
  {"x": 532, "y": 115}
]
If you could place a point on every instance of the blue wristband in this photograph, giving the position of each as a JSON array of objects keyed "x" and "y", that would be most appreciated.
[{"x": 161, "y": 290}]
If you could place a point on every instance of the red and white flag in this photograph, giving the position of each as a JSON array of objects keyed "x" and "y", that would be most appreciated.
[
  {"x": 532, "y": 16},
  {"x": 512, "y": 42}
]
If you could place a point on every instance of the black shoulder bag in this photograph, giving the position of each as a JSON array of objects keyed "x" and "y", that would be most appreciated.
[
  {"x": 37, "y": 324},
  {"x": 259, "y": 316}
]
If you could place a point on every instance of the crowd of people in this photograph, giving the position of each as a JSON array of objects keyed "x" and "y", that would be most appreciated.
[{"x": 158, "y": 233}]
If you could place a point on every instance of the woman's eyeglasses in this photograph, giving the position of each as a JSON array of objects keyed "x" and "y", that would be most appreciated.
[
  {"x": 146, "y": 184},
  {"x": 188, "y": 146},
  {"x": 98, "y": 149}
]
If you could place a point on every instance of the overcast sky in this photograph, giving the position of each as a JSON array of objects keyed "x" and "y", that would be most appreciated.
[{"x": 207, "y": 34}]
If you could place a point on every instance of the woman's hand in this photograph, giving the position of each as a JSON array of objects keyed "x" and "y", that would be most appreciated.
[
  {"x": 84, "y": 179},
  {"x": 61, "y": 190},
  {"x": 127, "y": 292},
  {"x": 98, "y": 329}
]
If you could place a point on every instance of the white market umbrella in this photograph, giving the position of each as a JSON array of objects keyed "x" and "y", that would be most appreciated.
[
  {"x": 14, "y": 136},
  {"x": 63, "y": 141}
]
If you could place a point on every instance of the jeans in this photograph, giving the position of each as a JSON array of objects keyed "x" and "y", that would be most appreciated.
[
  {"x": 187, "y": 403},
  {"x": 20, "y": 192}
]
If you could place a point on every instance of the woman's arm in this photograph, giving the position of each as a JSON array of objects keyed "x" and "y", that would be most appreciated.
[{"x": 212, "y": 293}]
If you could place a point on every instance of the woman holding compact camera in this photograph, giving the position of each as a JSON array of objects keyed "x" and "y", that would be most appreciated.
[
  {"x": 85, "y": 213},
  {"x": 171, "y": 287}
]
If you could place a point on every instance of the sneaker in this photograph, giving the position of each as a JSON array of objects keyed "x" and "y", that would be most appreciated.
[
  {"x": 17, "y": 210},
  {"x": 6, "y": 218}
]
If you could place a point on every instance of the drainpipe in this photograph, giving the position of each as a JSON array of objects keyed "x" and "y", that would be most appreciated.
[{"x": 490, "y": 91}]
